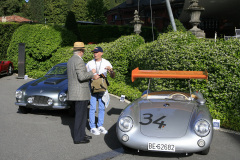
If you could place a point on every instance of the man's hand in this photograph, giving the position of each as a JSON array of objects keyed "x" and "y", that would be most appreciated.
[
  {"x": 94, "y": 71},
  {"x": 108, "y": 68},
  {"x": 110, "y": 71},
  {"x": 96, "y": 76}
]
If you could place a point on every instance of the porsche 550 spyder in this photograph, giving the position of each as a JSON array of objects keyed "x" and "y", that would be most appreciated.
[
  {"x": 166, "y": 121},
  {"x": 48, "y": 92},
  {"x": 6, "y": 67}
]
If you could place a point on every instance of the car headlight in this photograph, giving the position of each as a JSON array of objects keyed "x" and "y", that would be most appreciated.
[
  {"x": 50, "y": 101},
  {"x": 62, "y": 97},
  {"x": 19, "y": 94},
  {"x": 125, "y": 124},
  {"x": 202, "y": 128},
  {"x": 30, "y": 100}
]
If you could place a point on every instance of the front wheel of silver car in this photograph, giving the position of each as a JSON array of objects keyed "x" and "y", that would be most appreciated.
[
  {"x": 24, "y": 110},
  {"x": 205, "y": 152}
]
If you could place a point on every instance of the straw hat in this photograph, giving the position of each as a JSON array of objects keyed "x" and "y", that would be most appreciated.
[{"x": 78, "y": 45}]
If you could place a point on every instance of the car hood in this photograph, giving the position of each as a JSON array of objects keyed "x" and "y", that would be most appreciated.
[
  {"x": 46, "y": 85},
  {"x": 165, "y": 118}
]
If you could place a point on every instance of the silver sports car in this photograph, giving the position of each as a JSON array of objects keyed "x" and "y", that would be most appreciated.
[
  {"x": 167, "y": 121},
  {"x": 48, "y": 92}
]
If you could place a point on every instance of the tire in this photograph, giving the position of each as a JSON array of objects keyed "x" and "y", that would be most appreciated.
[
  {"x": 10, "y": 70},
  {"x": 205, "y": 152},
  {"x": 24, "y": 110}
]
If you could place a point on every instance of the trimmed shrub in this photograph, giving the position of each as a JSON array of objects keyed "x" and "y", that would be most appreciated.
[
  {"x": 121, "y": 88},
  {"x": 6, "y": 32},
  {"x": 41, "y": 44},
  {"x": 171, "y": 51},
  {"x": 119, "y": 53},
  {"x": 71, "y": 24},
  {"x": 179, "y": 27},
  {"x": 182, "y": 51},
  {"x": 110, "y": 33}
]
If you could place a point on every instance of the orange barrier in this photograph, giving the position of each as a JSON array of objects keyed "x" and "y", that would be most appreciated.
[{"x": 136, "y": 73}]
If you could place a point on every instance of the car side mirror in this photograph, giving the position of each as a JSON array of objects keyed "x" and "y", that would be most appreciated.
[
  {"x": 201, "y": 101},
  {"x": 200, "y": 98}
]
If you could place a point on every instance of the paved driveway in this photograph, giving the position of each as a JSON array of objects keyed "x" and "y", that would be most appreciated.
[{"x": 47, "y": 135}]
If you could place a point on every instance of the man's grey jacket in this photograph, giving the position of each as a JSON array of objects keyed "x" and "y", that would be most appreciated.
[{"x": 78, "y": 79}]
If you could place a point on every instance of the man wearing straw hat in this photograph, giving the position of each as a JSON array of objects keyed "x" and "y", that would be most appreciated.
[{"x": 79, "y": 91}]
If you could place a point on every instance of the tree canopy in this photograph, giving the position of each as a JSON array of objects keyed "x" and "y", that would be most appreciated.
[
  {"x": 96, "y": 9},
  {"x": 10, "y": 7},
  {"x": 79, "y": 8},
  {"x": 56, "y": 11},
  {"x": 36, "y": 9}
]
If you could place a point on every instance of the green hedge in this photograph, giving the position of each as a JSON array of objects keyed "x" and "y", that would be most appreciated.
[
  {"x": 118, "y": 53},
  {"x": 41, "y": 45},
  {"x": 182, "y": 51},
  {"x": 6, "y": 32},
  {"x": 171, "y": 51},
  {"x": 60, "y": 56},
  {"x": 109, "y": 33}
]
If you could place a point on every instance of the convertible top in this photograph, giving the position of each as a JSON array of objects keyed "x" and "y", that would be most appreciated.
[{"x": 136, "y": 73}]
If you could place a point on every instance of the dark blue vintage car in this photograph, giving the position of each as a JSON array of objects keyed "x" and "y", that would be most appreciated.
[{"x": 48, "y": 92}]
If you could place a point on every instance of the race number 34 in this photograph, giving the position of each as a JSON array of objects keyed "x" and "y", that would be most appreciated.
[{"x": 149, "y": 120}]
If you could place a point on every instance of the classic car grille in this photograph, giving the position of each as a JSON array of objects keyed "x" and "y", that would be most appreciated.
[{"x": 40, "y": 100}]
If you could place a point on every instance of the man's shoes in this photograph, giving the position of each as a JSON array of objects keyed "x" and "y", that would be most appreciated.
[
  {"x": 88, "y": 137},
  {"x": 102, "y": 130},
  {"x": 82, "y": 142},
  {"x": 95, "y": 131}
]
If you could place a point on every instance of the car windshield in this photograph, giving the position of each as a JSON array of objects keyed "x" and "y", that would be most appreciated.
[
  {"x": 58, "y": 70},
  {"x": 171, "y": 95},
  {"x": 179, "y": 97}
]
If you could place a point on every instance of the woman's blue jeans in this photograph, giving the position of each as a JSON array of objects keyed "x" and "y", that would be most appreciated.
[{"x": 101, "y": 110}]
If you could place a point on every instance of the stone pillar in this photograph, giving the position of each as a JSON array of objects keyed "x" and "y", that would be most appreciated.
[
  {"x": 21, "y": 60},
  {"x": 195, "y": 11},
  {"x": 137, "y": 23}
]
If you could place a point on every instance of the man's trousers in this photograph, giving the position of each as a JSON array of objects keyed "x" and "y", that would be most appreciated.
[{"x": 80, "y": 120}]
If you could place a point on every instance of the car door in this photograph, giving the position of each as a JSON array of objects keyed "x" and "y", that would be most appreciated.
[{"x": 4, "y": 67}]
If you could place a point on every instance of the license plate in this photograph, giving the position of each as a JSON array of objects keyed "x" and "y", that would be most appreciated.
[{"x": 161, "y": 147}]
